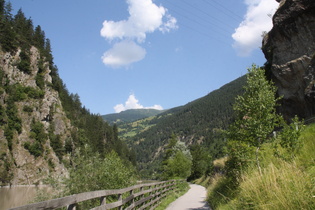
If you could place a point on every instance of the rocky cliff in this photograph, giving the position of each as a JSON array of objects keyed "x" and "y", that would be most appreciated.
[
  {"x": 43, "y": 127},
  {"x": 33, "y": 121},
  {"x": 290, "y": 52}
]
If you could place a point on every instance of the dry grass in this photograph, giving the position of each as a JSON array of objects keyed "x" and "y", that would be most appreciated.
[
  {"x": 220, "y": 163},
  {"x": 282, "y": 185}
]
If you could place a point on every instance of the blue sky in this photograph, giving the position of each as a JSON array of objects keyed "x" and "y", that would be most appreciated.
[{"x": 122, "y": 54}]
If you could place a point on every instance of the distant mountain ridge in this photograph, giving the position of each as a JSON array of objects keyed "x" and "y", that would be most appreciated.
[
  {"x": 198, "y": 122},
  {"x": 131, "y": 115}
]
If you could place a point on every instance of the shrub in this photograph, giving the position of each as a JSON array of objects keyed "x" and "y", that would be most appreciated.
[
  {"x": 178, "y": 166},
  {"x": 20, "y": 93},
  {"x": 34, "y": 93},
  {"x": 37, "y": 132},
  {"x": 2, "y": 115},
  {"x": 51, "y": 164},
  {"x": 8, "y": 133},
  {"x": 68, "y": 145},
  {"x": 35, "y": 148},
  {"x": 17, "y": 92},
  {"x": 40, "y": 82},
  {"x": 103, "y": 173},
  {"x": 27, "y": 109},
  {"x": 56, "y": 144},
  {"x": 25, "y": 62},
  {"x": 177, "y": 160}
]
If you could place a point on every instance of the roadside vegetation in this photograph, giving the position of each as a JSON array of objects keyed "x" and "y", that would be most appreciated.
[
  {"x": 92, "y": 172},
  {"x": 263, "y": 171}
]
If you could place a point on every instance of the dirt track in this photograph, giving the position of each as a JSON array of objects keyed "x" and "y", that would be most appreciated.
[{"x": 194, "y": 199}]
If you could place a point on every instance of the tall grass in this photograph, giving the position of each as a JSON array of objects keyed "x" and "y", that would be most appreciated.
[{"x": 282, "y": 184}]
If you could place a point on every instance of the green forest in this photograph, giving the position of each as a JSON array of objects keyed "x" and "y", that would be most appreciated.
[{"x": 202, "y": 120}]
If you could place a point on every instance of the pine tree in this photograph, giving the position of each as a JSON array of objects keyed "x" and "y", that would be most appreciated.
[{"x": 39, "y": 38}]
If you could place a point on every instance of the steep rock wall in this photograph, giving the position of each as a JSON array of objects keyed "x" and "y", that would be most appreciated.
[
  {"x": 21, "y": 166},
  {"x": 290, "y": 52}
]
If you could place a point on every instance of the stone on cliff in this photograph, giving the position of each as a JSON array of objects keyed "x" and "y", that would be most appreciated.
[{"x": 290, "y": 52}]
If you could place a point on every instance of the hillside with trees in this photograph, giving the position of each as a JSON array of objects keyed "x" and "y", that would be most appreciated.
[
  {"x": 198, "y": 122},
  {"x": 43, "y": 127},
  {"x": 130, "y": 115}
]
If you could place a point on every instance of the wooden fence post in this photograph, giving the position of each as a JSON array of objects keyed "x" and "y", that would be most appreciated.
[
  {"x": 133, "y": 199},
  {"x": 102, "y": 200},
  {"x": 72, "y": 207},
  {"x": 120, "y": 199}
]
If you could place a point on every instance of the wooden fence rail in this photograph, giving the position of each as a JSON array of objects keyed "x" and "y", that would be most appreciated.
[{"x": 140, "y": 196}]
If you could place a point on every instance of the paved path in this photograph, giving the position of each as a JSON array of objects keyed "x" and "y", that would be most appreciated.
[{"x": 194, "y": 199}]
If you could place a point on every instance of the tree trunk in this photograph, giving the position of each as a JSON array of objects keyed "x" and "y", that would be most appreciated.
[{"x": 257, "y": 161}]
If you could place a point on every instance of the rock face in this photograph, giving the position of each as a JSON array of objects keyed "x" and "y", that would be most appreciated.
[
  {"x": 21, "y": 166},
  {"x": 290, "y": 52}
]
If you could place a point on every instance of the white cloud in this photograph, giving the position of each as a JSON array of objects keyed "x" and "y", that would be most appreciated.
[
  {"x": 133, "y": 103},
  {"x": 144, "y": 17},
  {"x": 248, "y": 36},
  {"x": 123, "y": 53},
  {"x": 169, "y": 25}
]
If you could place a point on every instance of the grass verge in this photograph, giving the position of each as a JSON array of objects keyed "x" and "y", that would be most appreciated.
[{"x": 283, "y": 184}]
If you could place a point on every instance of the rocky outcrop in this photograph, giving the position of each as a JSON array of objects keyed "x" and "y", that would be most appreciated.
[
  {"x": 290, "y": 52},
  {"x": 22, "y": 166}
]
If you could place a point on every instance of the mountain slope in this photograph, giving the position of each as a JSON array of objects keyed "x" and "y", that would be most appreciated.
[
  {"x": 42, "y": 125},
  {"x": 130, "y": 115},
  {"x": 200, "y": 121}
]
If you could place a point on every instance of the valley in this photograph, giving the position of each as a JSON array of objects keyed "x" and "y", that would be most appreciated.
[{"x": 246, "y": 141}]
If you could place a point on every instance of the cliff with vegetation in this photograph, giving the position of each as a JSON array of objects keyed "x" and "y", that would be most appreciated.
[
  {"x": 290, "y": 52},
  {"x": 32, "y": 113},
  {"x": 42, "y": 125}
]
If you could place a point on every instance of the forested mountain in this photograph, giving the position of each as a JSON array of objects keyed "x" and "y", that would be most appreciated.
[
  {"x": 130, "y": 115},
  {"x": 42, "y": 125},
  {"x": 200, "y": 121}
]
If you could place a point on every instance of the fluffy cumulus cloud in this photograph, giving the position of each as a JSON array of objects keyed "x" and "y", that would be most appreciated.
[
  {"x": 258, "y": 19},
  {"x": 123, "y": 53},
  {"x": 144, "y": 17},
  {"x": 133, "y": 103}
]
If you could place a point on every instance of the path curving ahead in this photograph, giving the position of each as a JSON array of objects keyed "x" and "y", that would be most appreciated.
[{"x": 194, "y": 199}]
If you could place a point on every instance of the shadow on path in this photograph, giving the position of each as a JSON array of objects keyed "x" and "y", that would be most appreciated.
[{"x": 204, "y": 207}]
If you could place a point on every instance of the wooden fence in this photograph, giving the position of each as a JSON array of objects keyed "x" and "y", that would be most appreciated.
[{"x": 142, "y": 196}]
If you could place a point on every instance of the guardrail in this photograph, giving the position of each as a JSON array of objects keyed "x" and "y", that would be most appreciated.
[{"x": 141, "y": 196}]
